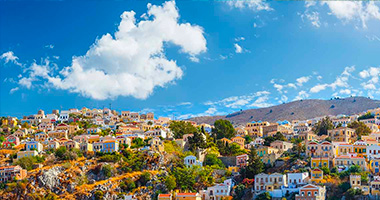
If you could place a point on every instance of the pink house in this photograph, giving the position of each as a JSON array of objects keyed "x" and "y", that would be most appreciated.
[
  {"x": 11, "y": 140},
  {"x": 242, "y": 160}
]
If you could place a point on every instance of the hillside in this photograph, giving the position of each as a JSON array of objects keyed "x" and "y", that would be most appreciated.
[{"x": 302, "y": 109}]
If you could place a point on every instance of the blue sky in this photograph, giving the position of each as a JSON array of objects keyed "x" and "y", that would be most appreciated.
[{"x": 184, "y": 58}]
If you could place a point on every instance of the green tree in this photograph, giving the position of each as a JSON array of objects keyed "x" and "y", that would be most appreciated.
[
  {"x": 180, "y": 128},
  {"x": 185, "y": 177},
  {"x": 212, "y": 159},
  {"x": 255, "y": 165},
  {"x": 368, "y": 115},
  {"x": 239, "y": 192},
  {"x": 223, "y": 129},
  {"x": 98, "y": 195},
  {"x": 127, "y": 185},
  {"x": 360, "y": 128},
  {"x": 170, "y": 183},
  {"x": 264, "y": 196},
  {"x": 268, "y": 140},
  {"x": 60, "y": 152},
  {"x": 351, "y": 193},
  {"x": 248, "y": 139},
  {"x": 325, "y": 170},
  {"x": 197, "y": 141},
  {"x": 107, "y": 171},
  {"x": 322, "y": 127},
  {"x": 26, "y": 162},
  {"x": 145, "y": 177},
  {"x": 137, "y": 143}
]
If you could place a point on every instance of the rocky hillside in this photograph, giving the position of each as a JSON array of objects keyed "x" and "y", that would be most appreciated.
[{"x": 302, "y": 109}]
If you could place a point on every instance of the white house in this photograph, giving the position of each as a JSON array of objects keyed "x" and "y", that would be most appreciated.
[
  {"x": 373, "y": 151},
  {"x": 34, "y": 145},
  {"x": 218, "y": 191},
  {"x": 269, "y": 182},
  {"x": 64, "y": 116},
  {"x": 192, "y": 160},
  {"x": 296, "y": 179}
]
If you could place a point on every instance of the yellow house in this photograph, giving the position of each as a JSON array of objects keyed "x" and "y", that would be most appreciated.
[
  {"x": 188, "y": 196},
  {"x": 320, "y": 162},
  {"x": 239, "y": 140},
  {"x": 360, "y": 148},
  {"x": 233, "y": 169},
  {"x": 375, "y": 187},
  {"x": 264, "y": 150},
  {"x": 356, "y": 183},
  {"x": 342, "y": 134},
  {"x": 316, "y": 176}
]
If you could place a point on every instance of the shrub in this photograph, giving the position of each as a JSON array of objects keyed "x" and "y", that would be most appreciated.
[{"x": 107, "y": 171}]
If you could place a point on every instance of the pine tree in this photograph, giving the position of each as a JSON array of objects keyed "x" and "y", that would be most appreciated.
[{"x": 255, "y": 165}]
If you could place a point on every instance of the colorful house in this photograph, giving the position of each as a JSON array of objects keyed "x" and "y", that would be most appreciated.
[
  {"x": 342, "y": 134},
  {"x": 34, "y": 145},
  {"x": 9, "y": 173},
  {"x": 11, "y": 141},
  {"x": 311, "y": 192},
  {"x": 110, "y": 146},
  {"x": 242, "y": 160},
  {"x": 374, "y": 166},
  {"x": 191, "y": 160},
  {"x": 344, "y": 162},
  {"x": 320, "y": 162},
  {"x": 316, "y": 176},
  {"x": 22, "y": 154}
]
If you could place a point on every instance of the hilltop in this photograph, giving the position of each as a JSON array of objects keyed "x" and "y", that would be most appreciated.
[{"x": 301, "y": 110}]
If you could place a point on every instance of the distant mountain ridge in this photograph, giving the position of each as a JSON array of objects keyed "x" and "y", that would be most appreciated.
[{"x": 301, "y": 109}]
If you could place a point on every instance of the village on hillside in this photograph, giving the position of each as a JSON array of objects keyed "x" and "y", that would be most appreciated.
[{"x": 105, "y": 154}]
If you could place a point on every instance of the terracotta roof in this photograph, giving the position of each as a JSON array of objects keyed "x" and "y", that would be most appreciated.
[
  {"x": 186, "y": 194},
  {"x": 164, "y": 195}
]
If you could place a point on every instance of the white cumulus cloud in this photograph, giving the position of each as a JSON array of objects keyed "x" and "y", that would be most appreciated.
[
  {"x": 354, "y": 10},
  {"x": 255, "y": 5},
  {"x": 10, "y": 57},
  {"x": 132, "y": 62},
  {"x": 238, "y": 48}
]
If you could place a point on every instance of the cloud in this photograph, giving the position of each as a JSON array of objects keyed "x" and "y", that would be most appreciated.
[
  {"x": 354, "y": 10},
  {"x": 255, "y": 5},
  {"x": 49, "y": 46},
  {"x": 318, "y": 88},
  {"x": 13, "y": 90},
  {"x": 261, "y": 102},
  {"x": 239, "y": 39},
  {"x": 209, "y": 112},
  {"x": 302, "y": 80},
  {"x": 373, "y": 74},
  {"x": 312, "y": 16},
  {"x": 238, "y": 48},
  {"x": 37, "y": 72},
  {"x": 132, "y": 62},
  {"x": 340, "y": 81},
  {"x": 10, "y": 57},
  {"x": 345, "y": 91},
  {"x": 284, "y": 98},
  {"x": 238, "y": 101},
  {"x": 301, "y": 95},
  {"x": 280, "y": 87}
]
